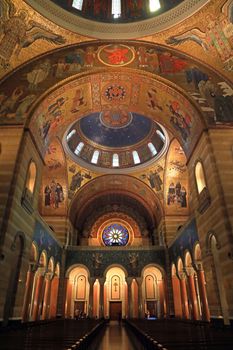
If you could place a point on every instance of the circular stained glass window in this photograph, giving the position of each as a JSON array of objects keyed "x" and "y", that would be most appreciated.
[{"x": 115, "y": 235}]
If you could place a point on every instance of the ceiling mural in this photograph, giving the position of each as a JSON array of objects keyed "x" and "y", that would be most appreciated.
[
  {"x": 24, "y": 34},
  {"x": 215, "y": 38},
  {"x": 117, "y": 140},
  {"x": 56, "y": 112},
  {"x": 176, "y": 188},
  {"x": 207, "y": 88},
  {"x": 198, "y": 35},
  {"x": 53, "y": 196}
]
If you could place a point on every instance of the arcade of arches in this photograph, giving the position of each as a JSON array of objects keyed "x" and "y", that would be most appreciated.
[{"x": 116, "y": 162}]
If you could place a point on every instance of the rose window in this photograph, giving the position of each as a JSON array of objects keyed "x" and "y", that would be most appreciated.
[{"x": 115, "y": 235}]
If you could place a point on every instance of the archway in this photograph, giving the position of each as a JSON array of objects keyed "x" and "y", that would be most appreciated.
[
  {"x": 153, "y": 293},
  {"x": 78, "y": 292},
  {"x": 115, "y": 293}
]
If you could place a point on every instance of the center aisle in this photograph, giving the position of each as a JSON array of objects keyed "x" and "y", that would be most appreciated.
[{"x": 116, "y": 337}]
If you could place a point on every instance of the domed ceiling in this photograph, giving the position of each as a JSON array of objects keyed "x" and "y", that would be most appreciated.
[
  {"x": 118, "y": 19},
  {"x": 124, "y": 139},
  {"x": 117, "y": 11}
]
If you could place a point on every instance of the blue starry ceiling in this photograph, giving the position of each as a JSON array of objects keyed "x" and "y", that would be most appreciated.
[{"x": 115, "y": 130}]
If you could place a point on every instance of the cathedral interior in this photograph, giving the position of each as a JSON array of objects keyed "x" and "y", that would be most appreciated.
[{"x": 116, "y": 160}]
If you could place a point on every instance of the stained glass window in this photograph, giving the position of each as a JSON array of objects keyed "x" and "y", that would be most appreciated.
[
  {"x": 95, "y": 157},
  {"x": 116, "y": 8},
  {"x": 154, "y": 5},
  {"x": 152, "y": 149},
  {"x": 78, "y": 4},
  {"x": 79, "y": 148},
  {"x": 115, "y": 160},
  {"x": 136, "y": 158},
  {"x": 115, "y": 235}
]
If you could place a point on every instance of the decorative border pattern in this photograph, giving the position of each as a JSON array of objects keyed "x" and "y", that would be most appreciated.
[{"x": 116, "y": 31}]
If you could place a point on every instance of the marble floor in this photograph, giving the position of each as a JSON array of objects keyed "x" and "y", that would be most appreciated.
[{"x": 116, "y": 337}]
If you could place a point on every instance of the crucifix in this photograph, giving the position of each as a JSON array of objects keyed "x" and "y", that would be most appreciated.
[{"x": 115, "y": 285}]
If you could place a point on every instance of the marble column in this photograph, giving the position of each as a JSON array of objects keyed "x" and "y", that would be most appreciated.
[
  {"x": 193, "y": 294},
  {"x": 28, "y": 292},
  {"x": 38, "y": 297},
  {"x": 46, "y": 303},
  {"x": 101, "y": 301},
  {"x": 130, "y": 298},
  {"x": 91, "y": 297},
  {"x": 53, "y": 297},
  {"x": 203, "y": 293},
  {"x": 184, "y": 296},
  {"x": 140, "y": 299}
]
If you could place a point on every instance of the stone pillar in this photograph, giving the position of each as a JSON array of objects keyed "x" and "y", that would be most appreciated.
[
  {"x": 130, "y": 298},
  {"x": 46, "y": 303},
  {"x": 53, "y": 297},
  {"x": 193, "y": 295},
  {"x": 38, "y": 297},
  {"x": 184, "y": 296},
  {"x": 68, "y": 299},
  {"x": 140, "y": 300},
  {"x": 203, "y": 294},
  {"x": 28, "y": 292},
  {"x": 91, "y": 297},
  {"x": 177, "y": 296},
  {"x": 101, "y": 301}
]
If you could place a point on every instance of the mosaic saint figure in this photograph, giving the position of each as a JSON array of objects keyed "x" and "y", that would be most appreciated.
[
  {"x": 216, "y": 38},
  {"x": 17, "y": 32}
]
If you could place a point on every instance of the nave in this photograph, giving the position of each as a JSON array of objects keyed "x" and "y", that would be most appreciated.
[{"x": 134, "y": 334}]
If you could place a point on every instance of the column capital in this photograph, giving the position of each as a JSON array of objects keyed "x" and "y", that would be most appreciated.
[
  {"x": 182, "y": 275},
  {"x": 92, "y": 280},
  {"x": 139, "y": 280},
  {"x": 101, "y": 281},
  {"x": 189, "y": 271},
  {"x": 129, "y": 280},
  {"x": 33, "y": 267},
  {"x": 198, "y": 265}
]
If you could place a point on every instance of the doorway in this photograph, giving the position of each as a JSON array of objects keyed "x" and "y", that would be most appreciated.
[
  {"x": 115, "y": 309},
  {"x": 152, "y": 308}
]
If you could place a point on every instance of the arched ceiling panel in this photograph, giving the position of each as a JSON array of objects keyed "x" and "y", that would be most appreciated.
[
  {"x": 204, "y": 86},
  {"x": 109, "y": 189}
]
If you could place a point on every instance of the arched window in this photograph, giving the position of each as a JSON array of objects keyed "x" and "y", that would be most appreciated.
[
  {"x": 154, "y": 5},
  {"x": 200, "y": 177},
  {"x": 95, "y": 157},
  {"x": 136, "y": 158},
  {"x": 152, "y": 149},
  {"x": 161, "y": 135},
  {"x": 31, "y": 177},
  {"x": 115, "y": 160},
  {"x": 78, "y": 4},
  {"x": 68, "y": 137},
  {"x": 79, "y": 148},
  {"x": 116, "y": 8}
]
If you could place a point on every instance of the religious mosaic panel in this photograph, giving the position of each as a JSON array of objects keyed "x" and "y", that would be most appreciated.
[
  {"x": 176, "y": 185},
  {"x": 45, "y": 241},
  {"x": 54, "y": 188},
  {"x": 211, "y": 91}
]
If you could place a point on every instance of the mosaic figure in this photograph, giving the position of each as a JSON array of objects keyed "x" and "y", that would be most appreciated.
[{"x": 18, "y": 32}]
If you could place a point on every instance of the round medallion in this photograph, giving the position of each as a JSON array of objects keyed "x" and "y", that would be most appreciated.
[
  {"x": 115, "y": 93},
  {"x": 116, "y": 119},
  {"x": 115, "y": 235},
  {"x": 116, "y": 55}
]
